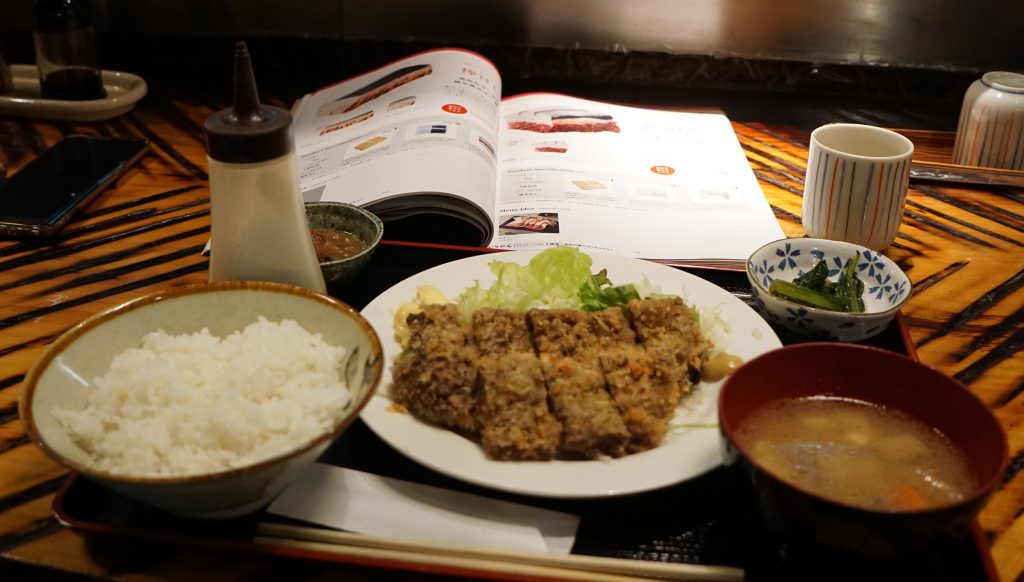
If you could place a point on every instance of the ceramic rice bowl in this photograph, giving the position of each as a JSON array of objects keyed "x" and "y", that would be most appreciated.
[{"x": 64, "y": 376}]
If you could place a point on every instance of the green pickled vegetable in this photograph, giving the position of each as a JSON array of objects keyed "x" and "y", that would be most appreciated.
[
  {"x": 814, "y": 289},
  {"x": 853, "y": 287},
  {"x": 816, "y": 278},
  {"x": 803, "y": 295}
]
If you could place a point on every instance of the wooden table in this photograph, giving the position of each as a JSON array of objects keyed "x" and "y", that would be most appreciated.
[{"x": 963, "y": 248}]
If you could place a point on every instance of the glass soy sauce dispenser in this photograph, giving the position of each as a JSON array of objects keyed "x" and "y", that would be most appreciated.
[{"x": 66, "y": 56}]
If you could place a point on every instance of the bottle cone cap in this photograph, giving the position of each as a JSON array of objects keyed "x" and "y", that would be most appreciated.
[{"x": 248, "y": 131}]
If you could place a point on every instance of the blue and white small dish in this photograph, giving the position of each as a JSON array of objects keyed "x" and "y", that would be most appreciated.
[{"x": 886, "y": 288}]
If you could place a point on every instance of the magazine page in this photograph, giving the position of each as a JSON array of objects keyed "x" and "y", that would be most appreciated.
[
  {"x": 417, "y": 135},
  {"x": 626, "y": 181}
]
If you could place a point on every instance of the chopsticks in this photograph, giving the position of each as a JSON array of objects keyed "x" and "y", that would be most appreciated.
[{"x": 550, "y": 566}]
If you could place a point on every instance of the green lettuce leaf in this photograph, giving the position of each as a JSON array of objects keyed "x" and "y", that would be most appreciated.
[{"x": 559, "y": 277}]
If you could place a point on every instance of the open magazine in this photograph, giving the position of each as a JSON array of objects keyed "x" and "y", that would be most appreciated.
[{"x": 431, "y": 134}]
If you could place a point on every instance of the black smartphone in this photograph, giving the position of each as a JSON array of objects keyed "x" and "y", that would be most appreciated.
[{"x": 40, "y": 198}]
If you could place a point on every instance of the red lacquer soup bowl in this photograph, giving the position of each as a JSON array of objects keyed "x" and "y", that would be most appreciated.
[{"x": 883, "y": 379}]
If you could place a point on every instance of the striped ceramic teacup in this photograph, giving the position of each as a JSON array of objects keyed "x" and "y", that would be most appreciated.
[
  {"x": 856, "y": 184},
  {"x": 991, "y": 128}
]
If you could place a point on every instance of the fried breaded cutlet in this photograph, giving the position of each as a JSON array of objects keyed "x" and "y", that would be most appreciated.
[
  {"x": 517, "y": 424},
  {"x": 579, "y": 334},
  {"x": 645, "y": 394},
  {"x": 576, "y": 388},
  {"x": 552, "y": 381},
  {"x": 435, "y": 378},
  {"x": 668, "y": 330},
  {"x": 591, "y": 424},
  {"x": 607, "y": 328},
  {"x": 500, "y": 331},
  {"x": 555, "y": 331}
]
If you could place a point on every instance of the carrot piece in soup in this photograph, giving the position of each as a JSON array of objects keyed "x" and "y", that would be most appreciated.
[{"x": 907, "y": 498}]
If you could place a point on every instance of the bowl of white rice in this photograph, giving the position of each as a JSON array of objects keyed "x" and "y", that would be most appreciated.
[{"x": 204, "y": 400}]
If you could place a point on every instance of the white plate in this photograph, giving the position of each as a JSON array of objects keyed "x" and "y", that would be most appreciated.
[
  {"x": 123, "y": 91},
  {"x": 686, "y": 453}
]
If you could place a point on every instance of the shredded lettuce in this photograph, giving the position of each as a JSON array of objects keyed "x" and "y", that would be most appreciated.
[
  {"x": 714, "y": 327},
  {"x": 559, "y": 277}
]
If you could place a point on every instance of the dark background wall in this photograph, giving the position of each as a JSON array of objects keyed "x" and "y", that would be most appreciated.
[
  {"x": 890, "y": 53},
  {"x": 972, "y": 35}
]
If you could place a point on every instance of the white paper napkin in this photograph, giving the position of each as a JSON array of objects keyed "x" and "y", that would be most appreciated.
[{"x": 380, "y": 506}]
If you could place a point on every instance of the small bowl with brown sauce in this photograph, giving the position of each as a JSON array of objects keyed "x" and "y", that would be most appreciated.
[
  {"x": 859, "y": 449},
  {"x": 345, "y": 237}
]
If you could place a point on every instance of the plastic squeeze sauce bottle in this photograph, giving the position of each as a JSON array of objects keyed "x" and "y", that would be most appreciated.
[{"x": 259, "y": 228}]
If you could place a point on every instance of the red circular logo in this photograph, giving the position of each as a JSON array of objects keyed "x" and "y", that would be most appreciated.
[
  {"x": 663, "y": 170},
  {"x": 454, "y": 108}
]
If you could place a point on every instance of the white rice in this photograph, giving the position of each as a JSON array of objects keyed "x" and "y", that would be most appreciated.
[{"x": 194, "y": 403}]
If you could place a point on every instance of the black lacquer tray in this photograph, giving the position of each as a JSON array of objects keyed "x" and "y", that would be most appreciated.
[{"x": 709, "y": 520}]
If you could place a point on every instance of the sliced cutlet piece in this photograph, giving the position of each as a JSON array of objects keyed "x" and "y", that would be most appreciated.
[
  {"x": 607, "y": 328},
  {"x": 644, "y": 393},
  {"x": 591, "y": 425},
  {"x": 645, "y": 396},
  {"x": 517, "y": 423},
  {"x": 668, "y": 330},
  {"x": 582, "y": 338},
  {"x": 578, "y": 333},
  {"x": 516, "y": 420},
  {"x": 500, "y": 331},
  {"x": 662, "y": 318},
  {"x": 435, "y": 378},
  {"x": 555, "y": 331}
]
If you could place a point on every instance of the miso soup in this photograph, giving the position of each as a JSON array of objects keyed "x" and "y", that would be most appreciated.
[{"x": 856, "y": 453}]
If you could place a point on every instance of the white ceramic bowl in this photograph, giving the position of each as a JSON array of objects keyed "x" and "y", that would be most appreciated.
[
  {"x": 886, "y": 288},
  {"x": 62, "y": 378}
]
